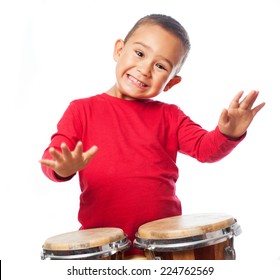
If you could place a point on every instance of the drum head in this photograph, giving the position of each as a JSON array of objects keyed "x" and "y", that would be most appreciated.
[
  {"x": 83, "y": 239},
  {"x": 185, "y": 226}
]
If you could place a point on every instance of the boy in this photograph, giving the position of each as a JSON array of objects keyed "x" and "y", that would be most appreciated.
[{"x": 124, "y": 144}]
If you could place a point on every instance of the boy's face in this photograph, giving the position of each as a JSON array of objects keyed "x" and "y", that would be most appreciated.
[{"x": 147, "y": 63}]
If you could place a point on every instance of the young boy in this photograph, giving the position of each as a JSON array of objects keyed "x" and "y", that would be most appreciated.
[{"x": 124, "y": 144}]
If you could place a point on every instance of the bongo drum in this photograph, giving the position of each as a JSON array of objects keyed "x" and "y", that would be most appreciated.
[
  {"x": 89, "y": 244},
  {"x": 189, "y": 237}
]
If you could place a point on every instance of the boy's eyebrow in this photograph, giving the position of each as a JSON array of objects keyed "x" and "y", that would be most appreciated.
[{"x": 148, "y": 47}]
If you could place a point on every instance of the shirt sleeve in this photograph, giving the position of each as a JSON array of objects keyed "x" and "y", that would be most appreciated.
[
  {"x": 68, "y": 131},
  {"x": 203, "y": 145}
]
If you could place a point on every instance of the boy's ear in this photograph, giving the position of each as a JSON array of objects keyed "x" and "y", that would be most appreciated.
[
  {"x": 174, "y": 81},
  {"x": 118, "y": 49}
]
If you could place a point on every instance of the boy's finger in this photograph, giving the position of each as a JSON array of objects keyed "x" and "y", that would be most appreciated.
[
  {"x": 249, "y": 100},
  {"x": 78, "y": 149},
  {"x": 55, "y": 154},
  {"x": 235, "y": 102},
  {"x": 224, "y": 117},
  {"x": 258, "y": 108},
  {"x": 65, "y": 152},
  {"x": 47, "y": 162},
  {"x": 88, "y": 155}
]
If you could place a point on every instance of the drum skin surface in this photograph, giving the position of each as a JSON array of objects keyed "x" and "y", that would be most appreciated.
[
  {"x": 185, "y": 226},
  {"x": 83, "y": 239}
]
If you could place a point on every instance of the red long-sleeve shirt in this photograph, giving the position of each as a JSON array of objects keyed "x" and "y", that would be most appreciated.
[{"x": 131, "y": 180}]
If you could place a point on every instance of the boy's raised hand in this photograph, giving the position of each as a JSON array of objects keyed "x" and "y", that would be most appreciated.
[
  {"x": 235, "y": 120},
  {"x": 67, "y": 163}
]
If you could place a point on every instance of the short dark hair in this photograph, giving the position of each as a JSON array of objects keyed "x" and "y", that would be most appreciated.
[{"x": 169, "y": 24}]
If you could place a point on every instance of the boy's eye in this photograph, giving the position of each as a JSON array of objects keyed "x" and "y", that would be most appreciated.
[
  {"x": 139, "y": 53},
  {"x": 160, "y": 66}
]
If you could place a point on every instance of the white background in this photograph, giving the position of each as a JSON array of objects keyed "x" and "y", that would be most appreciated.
[{"x": 52, "y": 52}]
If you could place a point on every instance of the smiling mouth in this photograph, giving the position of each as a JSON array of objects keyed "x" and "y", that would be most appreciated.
[{"x": 135, "y": 81}]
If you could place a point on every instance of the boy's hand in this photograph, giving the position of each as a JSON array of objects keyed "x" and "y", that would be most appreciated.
[
  {"x": 68, "y": 163},
  {"x": 235, "y": 120}
]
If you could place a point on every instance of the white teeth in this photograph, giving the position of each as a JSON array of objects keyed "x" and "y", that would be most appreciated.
[{"x": 136, "y": 81}]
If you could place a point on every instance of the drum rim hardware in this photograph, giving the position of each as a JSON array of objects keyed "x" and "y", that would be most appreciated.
[
  {"x": 97, "y": 252},
  {"x": 187, "y": 243}
]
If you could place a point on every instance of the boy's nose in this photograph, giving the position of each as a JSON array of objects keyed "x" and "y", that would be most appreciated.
[{"x": 144, "y": 67}]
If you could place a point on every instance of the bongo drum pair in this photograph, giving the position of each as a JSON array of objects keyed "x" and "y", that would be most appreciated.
[{"x": 186, "y": 237}]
